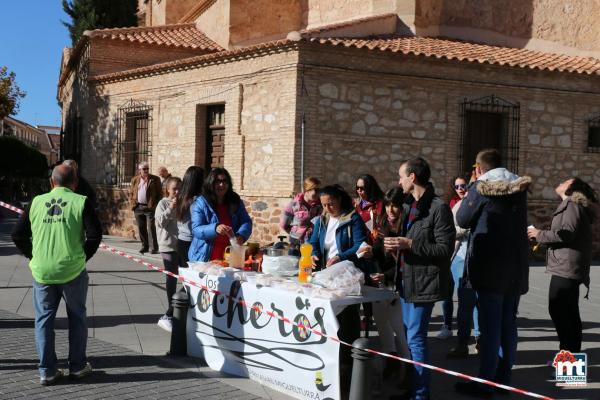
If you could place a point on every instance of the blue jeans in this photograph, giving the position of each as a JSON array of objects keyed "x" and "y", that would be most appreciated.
[
  {"x": 498, "y": 343},
  {"x": 46, "y": 299},
  {"x": 416, "y": 321},
  {"x": 467, "y": 311}
]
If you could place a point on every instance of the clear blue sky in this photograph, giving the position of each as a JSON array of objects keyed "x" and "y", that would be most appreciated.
[{"x": 33, "y": 40}]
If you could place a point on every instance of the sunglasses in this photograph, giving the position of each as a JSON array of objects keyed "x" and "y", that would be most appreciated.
[
  {"x": 360, "y": 188},
  {"x": 221, "y": 181},
  {"x": 461, "y": 186},
  {"x": 144, "y": 169}
]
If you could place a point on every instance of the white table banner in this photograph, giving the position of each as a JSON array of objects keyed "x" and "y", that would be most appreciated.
[{"x": 241, "y": 341}]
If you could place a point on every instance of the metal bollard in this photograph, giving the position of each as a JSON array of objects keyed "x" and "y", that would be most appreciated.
[
  {"x": 360, "y": 386},
  {"x": 180, "y": 302}
]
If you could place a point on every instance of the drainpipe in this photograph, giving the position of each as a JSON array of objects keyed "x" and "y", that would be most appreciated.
[{"x": 302, "y": 152}]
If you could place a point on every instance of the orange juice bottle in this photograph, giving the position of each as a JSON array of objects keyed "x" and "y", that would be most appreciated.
[{"x": 305, "y": 264}]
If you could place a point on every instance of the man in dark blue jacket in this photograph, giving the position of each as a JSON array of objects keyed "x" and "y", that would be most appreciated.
[{"x": 495, "y": 210}]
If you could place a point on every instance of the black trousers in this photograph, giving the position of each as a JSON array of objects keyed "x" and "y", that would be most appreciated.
[
  {"x": 182, "y": 251},
  {"x": 144, "y": 217},
  {"x": 349, "y": 321},
  {"x": 563, "y": 304},
  {"x": 171, "y": 263}
]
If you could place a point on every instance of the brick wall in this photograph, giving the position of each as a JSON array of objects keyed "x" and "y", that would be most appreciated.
[
  {"x": 365, "y": 112},
  {"x": 370, "y": 118}
]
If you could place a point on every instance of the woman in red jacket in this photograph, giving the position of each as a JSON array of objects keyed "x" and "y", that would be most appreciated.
[{"x": 369, "y": 204}]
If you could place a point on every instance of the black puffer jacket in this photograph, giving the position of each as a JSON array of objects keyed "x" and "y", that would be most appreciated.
[
  {"x": 426, "y": 271},
  {"x": 495, "y": 209}
]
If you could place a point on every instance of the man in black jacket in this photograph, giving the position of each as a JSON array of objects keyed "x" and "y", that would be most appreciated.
[
  {"x": 495, "y": 210},
  {"x": 424, "y": 248}
]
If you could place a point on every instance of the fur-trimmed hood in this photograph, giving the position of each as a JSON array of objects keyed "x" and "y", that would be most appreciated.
[
  {"x": 501, "y": 182},
  {"x": 592, "y": 208},
  {"x": 581, "y": 199}
]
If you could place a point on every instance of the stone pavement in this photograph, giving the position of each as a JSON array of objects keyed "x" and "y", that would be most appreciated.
[
  {"x": 119, "y": 373},
  {"x": 127, "y": 348}
]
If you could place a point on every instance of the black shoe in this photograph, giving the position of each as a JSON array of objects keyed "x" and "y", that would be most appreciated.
[
  {"x": 154, "y": 252},
  {"x": 460, "y": 351},
  {"x": 473, "y": 389},
  {"x": 143, "y": 250}
]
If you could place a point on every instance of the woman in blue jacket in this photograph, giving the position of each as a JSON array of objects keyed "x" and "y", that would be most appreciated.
[
  {"x": 218, "y": 215},
  {"x": 339, "y": 232},
  {"x": 336, "y": 237}
]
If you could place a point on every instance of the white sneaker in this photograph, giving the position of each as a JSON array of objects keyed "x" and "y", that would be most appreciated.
[
  {"x": 445, "y": 333},
  {"x": 165, "y": 323}
]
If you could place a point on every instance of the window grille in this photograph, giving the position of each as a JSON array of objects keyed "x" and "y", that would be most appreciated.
[
  {"x": 489, "y": 122},
  {"x": 593, "y": 143},
  {"x": 134, "y": 141}
]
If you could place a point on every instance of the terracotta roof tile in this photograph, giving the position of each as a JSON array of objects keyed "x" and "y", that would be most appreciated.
[
  {"x": 418, "y": 46},
  {"x": 192, "y": 62},
  {"x": 472, "y": 52},
  {"x": 178, "y": 35}
]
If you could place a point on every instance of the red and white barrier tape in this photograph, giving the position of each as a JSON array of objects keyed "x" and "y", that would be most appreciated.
[
  {"x": 299, "y": 325},
  {"x": 12, "y": 208}
]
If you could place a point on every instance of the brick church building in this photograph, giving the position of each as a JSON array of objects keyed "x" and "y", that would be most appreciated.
[{"x": 275, "y": 91}]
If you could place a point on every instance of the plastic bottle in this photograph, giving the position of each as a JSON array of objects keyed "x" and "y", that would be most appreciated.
[{"x": 305, "y": 263}]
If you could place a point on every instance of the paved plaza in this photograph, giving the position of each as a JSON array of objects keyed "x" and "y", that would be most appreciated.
[{"x": 127, "y": 349}]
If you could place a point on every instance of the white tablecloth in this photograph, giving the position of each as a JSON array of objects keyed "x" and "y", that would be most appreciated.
[{"x": 241, "y": 341}]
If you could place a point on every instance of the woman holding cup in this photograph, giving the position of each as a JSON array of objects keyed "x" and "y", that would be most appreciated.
[
  {"x": 569, "y": 242},
  {"x": 219, "y": 218},
  {"x": 388, "y": 313}
]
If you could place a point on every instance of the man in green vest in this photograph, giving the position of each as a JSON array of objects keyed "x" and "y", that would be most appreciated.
[{"x": 59, "y": 233}]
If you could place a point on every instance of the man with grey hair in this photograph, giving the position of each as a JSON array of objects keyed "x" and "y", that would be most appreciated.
[
  {"x": 164, "y": 175},
  {"x": 144, "y": 195},
  {"x": 83, "y": 186},
  {"x": 59, "y": 232}
]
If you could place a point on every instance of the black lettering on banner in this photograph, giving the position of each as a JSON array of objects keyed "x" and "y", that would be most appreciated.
[
  {"x": 255, "y": 314},
  {"x": 218, "y": 298},
  {"x": 234, "y": 306},
  {"x": 203, "y": 301},
  {"x": 282, "y": 324},
  {"x": 301, "y": 328}
]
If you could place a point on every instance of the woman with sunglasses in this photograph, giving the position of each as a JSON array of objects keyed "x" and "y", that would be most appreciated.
[
  {"x": 369, "y": 204},
  {"x": 218, "y": 216},
  {"x": 467, "y": 311}
]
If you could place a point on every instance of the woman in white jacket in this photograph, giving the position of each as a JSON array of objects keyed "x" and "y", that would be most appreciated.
[
  {"x": 467, "y": 310},
  {"x": 166, "y": 232}
]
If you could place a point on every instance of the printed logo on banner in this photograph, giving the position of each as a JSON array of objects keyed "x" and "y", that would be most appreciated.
[{"x": 571, "y": 368}]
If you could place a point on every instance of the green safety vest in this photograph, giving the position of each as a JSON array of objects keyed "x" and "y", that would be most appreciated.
[{"x": 58, "y": 236}]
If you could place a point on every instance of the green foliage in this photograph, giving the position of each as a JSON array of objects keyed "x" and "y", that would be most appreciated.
[
  {"x": 19, "y": 160},
  {"x": 97, "y": 14},
  {"x": 10, "y": 94}
]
